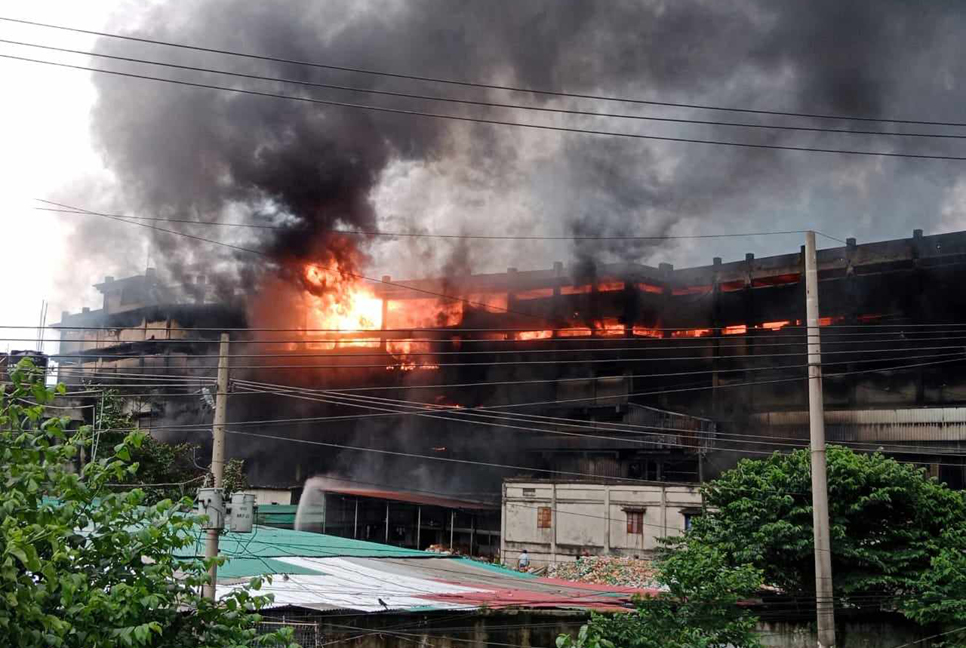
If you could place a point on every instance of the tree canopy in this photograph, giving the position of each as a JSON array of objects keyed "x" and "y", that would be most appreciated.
[
  {"x": 165, "y": 470},
  {"x": 897, "y": 535},
  {"x": 82, "y": 564},
  {"x": 887, "y": 520},
  {"x": 698, "y": 608}
]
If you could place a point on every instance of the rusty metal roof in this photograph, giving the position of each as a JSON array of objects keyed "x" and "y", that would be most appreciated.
[{"x": 414, "y": 498}]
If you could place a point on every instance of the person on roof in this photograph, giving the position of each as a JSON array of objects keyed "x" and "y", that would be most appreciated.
[{"x": 524, "y": 561}]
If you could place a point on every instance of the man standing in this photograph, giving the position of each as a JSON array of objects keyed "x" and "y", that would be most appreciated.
[{"x": 524, "y": 561}]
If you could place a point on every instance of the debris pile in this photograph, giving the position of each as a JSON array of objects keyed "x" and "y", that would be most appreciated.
[
  {"x": 605, "y": 570},
  {"x": 440, "y": 549}
]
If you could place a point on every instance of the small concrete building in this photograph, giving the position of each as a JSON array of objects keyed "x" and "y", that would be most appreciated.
[{"x": 557, "y": 520}]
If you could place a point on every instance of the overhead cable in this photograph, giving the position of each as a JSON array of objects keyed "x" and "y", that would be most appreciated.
[
  {"x": 479, "y": 103},
  {"x": 489, "y": 86},
  {"x": 494, "y": 122}
]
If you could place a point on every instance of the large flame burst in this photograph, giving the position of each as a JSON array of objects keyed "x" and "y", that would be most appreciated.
[{"x": 339, "y": 301}]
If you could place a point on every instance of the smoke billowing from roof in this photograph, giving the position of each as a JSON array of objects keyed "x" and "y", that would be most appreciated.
[{"x": 214, "y": 155}]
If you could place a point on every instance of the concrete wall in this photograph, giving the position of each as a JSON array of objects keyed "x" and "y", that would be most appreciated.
[
  {"x": 75, "y": 341},
  {"x": 270, "y": 495},
  {"x": 590, "y": 517},
  {"x": 887, "y": 632},
  {"x": 540, "y": 629}
]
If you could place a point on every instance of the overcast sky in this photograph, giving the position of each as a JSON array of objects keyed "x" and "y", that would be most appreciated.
[
  {"x": 45, "y": 144},
  {"x": 48, "y": 152}
]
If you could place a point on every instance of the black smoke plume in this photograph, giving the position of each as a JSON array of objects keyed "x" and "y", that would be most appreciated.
[
  {"x": 308, "y": 169},
  {"x": 305, "y": 169}
]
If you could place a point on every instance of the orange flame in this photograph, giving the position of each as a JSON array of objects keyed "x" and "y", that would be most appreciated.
[
  {"x": 410, "y": 354},
  {"x": 612, "y": 286},
  {"x": 340, "y": 303},
  {"x": 437, "y": 313},
  {"x": 644, "y": 331},
  {"x": 577, "y": 331},
  {"x": 775, "y": 326},
  {"x": 690, "y": 333},
  {"x": 534, "y": 335},
  {"x": 609, "y": 326}
]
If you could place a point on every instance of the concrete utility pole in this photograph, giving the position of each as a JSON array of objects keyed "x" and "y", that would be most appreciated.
[
  {"x": 824, "y": 603},
  {"x": 218, "y": 456}
]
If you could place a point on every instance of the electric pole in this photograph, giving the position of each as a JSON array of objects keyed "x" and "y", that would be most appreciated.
[
  {"x": 824, "y": 602},
  {"x": 218, "y": 459}
]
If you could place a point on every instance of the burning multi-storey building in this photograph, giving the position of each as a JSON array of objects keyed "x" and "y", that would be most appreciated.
[
  {"x": 616, "y": 370},
  {"x": 670, "y": 372}
]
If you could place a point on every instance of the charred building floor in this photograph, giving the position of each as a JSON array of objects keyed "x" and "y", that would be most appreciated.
[{"x": 622, "y": 370}]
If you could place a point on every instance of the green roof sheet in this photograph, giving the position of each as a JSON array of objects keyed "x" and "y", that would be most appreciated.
[
  {"x": 499, "y": 569},
  {"x": 275, "y": 514},
  {"x": 242, "y": 567},
  {"x": 272, "y": 542}
]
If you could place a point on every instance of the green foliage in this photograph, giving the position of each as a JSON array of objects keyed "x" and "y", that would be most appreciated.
[
  {"x": 941, "y": 590},
  {"x": 697, "y": 608},
  {"x": 887, "y": 521},
  {"x": 587, "y": 637},
  {"x": 173, "y": 466},
  {"x": 82, "y": 565}
]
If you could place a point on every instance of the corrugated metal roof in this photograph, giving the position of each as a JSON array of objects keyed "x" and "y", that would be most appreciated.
[
  {"x": 277, "y": 515},
  {"x": 271, "y": 542},
  {"x": 414, "y": 498},
  {"x": 322, "y": 572}
]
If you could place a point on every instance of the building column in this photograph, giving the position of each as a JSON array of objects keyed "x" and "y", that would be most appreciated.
[
  {"x": 553, "y": 522},
  {"x": 472, "y": 531},
  {"x": 664, "y": 510},
  {"x": 503, "y": 528},
  {"x": 607, "y": 519}
]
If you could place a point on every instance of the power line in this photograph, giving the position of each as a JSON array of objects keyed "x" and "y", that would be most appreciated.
[
  {"x": 401, "y": 365},
  {"x": 648, "y": 393},
  {"x": 262, "y": 254},
  {"x": 259, "y": 253},
  {"x": 348, "y": 351},
  {"x": 617, "y": 426},
  {"x": 495, "y": 122},
  {"x": 496, "y": 237},
  {"x": 701, "y": 387},
  {"x": 567, "y": 422},
  {"x": 754, "y": 338},
  {"x": 484, "y": 104},
  {"x": 472, "y": 84},
  {"x": 433, "y": 458},
  {"x": 395, "y": 353},
  {"x": 412, "y": 455},
  {"x": 827, "y": 329},
  {"x": 892, "y": 447},
  {"x": 415, "y": 408}
]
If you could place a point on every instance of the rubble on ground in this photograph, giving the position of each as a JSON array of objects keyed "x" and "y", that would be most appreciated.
[
  {"x": 605, "y": 570},
  {"x": 440, "y": 549}
]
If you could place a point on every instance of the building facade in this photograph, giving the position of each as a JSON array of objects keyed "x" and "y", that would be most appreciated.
[{"x": 558, "y": 521}]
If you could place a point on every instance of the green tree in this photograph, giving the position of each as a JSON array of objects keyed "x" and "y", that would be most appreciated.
[
  {"x": 698, "y": 607},
  {"x": 166, "y": 470},
  {"x": 887, "y": 523},
  {"x": 82, "y": 565}
]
